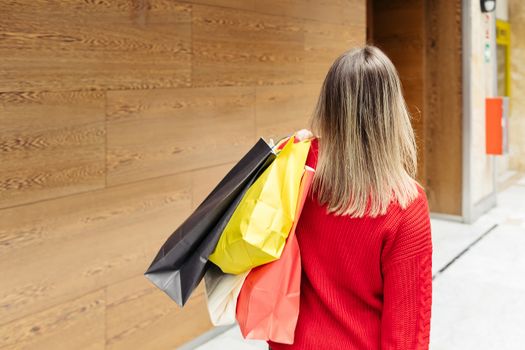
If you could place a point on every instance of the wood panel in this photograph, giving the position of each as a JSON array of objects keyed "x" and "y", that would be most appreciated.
[
  {"x": 399, "y": 32},
  {"x": 232, "y": 47},
  {"x": 281, "y": 110},
  {"x": 51, "y": 144},
  {"x": 423, "y": 39},
  {"x": 63, "y": 248},
  {"x": 329, "y": 11},
  {"x": 73, "y": 45},
  {"x": 158, "y": 132},
  {"x": 75, "y": 324},
  {"x": 443, "y": 156},
  {"x": 414, "y": 90},
  {"x": 323, "y": 43},
  {"x": 140, "y": 316},
  {"x": 238, "y": 4},
  {"x": 118, "y": 118},
  {"x": 204, "y": 181}
]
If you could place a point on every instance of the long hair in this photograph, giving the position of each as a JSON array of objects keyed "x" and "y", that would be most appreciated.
[{"x": 367, "y": 149}]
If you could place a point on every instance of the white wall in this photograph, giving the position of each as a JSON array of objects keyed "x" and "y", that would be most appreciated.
[
  {"x": 502, "y": 10},
  {"x": 482, "y": 85}
]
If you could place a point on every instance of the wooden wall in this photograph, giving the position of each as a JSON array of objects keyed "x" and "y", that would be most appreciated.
[
  {"x": 423, "y": 39},
  {"x": 444, "y": 105},
  {"x": 117, "y": 117},
  {"x": 398, "y": 29}
]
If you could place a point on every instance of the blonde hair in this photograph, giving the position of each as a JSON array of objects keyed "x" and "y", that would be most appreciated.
[{"x": 367, "y": 150}]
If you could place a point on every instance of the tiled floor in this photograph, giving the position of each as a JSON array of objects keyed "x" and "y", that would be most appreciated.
[{"x": 478, "y": 300}]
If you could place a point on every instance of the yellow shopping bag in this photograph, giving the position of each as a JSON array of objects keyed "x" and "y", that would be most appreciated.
[{"x": 259, "y": 226}]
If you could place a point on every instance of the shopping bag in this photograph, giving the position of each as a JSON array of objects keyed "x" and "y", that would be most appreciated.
[
  {"x": 180, "y": 263},
  {"x": 268, "y": 304},
  {"x": 259, "y": 226},
  {"x": 222, "y": 290}
]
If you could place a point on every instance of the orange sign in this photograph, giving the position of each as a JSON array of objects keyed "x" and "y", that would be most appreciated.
[{"x": 494, "y": 125}]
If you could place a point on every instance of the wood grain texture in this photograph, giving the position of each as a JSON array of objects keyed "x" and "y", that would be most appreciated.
[
  {"x": 444, "y": 161},
  {"x": 74, "y": 324},
  {"x": 329, "y": 11},
  {"x": 159, "y": 132},
  {"x": 399, "y": 31},
  {"x": 51, "y": 144},
  {"x": 324, "y": 42},
  {"x": 281, "y": 110},
  {"x": 423, "y": 39},
  {"x": 140, "y": 316},
  {"x": 414, "y": 92},
  {"x": 236, "y": 4},
  {"x": 60, "y": 249},
  {"x": 117, "y": 118},
  {"x": 88, "y": 45},
  {"x": 232, "y": 47},
  {"x": 204, "y": 181}
]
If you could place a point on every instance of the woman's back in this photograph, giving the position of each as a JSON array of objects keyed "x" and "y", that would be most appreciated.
[
  {"x": 366, "y": 282},
  {"x": 364, "y": 234}
]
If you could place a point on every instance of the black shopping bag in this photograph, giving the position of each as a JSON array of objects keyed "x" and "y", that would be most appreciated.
[{"x": 180, "y": 264}]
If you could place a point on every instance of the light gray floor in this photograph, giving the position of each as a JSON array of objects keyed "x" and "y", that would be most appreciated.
[{"x": 479, "y": 299}]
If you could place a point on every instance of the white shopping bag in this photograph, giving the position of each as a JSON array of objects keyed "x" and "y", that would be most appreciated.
[{"x": 222, "y": 290}]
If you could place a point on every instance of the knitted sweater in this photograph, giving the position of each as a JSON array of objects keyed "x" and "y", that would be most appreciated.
[{"x": 366, "y": 282}]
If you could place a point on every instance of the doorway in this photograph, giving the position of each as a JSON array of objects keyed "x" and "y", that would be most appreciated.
[{"x": 423, "y": 40}]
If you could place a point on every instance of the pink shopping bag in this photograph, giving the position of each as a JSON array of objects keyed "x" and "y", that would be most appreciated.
[{"x": 268, "y": 304}]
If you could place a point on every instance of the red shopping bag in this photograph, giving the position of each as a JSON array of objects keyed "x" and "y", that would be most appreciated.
[{"x": 268, "y": 304}]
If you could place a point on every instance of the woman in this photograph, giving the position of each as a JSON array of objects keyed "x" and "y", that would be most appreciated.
[{"x": 364, "y": 232}]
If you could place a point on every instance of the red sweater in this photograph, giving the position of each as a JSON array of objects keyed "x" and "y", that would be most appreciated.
[{"x": 366, "y": 283}]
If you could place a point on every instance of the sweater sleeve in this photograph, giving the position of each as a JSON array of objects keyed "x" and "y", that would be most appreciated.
[{"x": 407, "y": 281}]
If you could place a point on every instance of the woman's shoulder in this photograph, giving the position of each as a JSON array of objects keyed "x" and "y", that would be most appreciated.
[
  {"x": 421, "y": 198},
  {"x": 416, "y": 214},
  {"x": 415, "y": 206}
]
